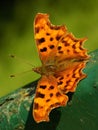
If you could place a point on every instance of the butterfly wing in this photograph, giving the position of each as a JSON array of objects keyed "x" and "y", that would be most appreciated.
[
  {"x": 47, "y": 37},
  {"x": 47, "y": 97},
  {"x": 68, "y": 79},
  {"x": 54, "y": 43},
  {"x": 70, "y": 47}
]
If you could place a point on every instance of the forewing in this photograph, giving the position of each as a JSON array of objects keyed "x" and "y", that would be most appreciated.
[
  {"x": 47, "y": 97},
  {"x": 70, "y": 47},
  {"x": 47, "y": 37}
]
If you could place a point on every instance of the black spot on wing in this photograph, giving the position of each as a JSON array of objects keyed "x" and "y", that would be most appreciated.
[
  {"x": 47, "y": 34},
  {"x": 51, "y": 94},
  {"x": 58, "y": 37},
  {"x": 77, "y": 79},
  {"x": 41, "y": 40},
  {"x": 51, "y": 87},
  {"x": 73, "y": 46},
  {"x": 60, "y": 83},
  {"x": 68, "y": 50},
  {"x": 43, "y": 86},
  {"x": 47, "y": 100},
  {"x": 74, "y": 76},
  {"x": 51, "y": 38},
  {"x": 51, "y": 46},
  {"x": 68, "y": 75},
  {"x": 40, "y": 95},
  {"x": 65, "y": 43},
  {"x": 61, "y": 78},
  {"x": 61, "y": 52},
  {"x": 36, "y": 106},
  {"x": 59, "y": 47},
  {"x": 36, "y": 29},
  {"x": 67, "y": 82},
  {"x": 44, "y": 49},
  {"x": 58, "y": 94},
  {"x": 57, "y": 104}
]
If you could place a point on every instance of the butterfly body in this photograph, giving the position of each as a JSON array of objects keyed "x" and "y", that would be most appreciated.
[
  {"x": 45, "y": 70},
  {"x": 63, "y": 58}
]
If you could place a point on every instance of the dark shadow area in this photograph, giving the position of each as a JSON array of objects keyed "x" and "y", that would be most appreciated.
[
  {"x": 70, "y": 95},
  {"x": 51, "y": 125}
]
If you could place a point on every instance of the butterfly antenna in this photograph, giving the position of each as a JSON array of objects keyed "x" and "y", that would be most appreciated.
[
  {"x": 21, "y": 73},
  {"x": 25, "y": 61}
]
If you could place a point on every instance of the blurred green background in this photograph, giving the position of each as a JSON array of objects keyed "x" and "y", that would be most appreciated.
[{"x": 17, "y": 36}]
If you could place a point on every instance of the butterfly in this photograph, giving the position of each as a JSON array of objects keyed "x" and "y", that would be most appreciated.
[{"x": 63, "y": 59}]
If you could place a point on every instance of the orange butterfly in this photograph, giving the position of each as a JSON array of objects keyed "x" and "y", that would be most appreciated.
[{"x": 63, "y": 59}]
